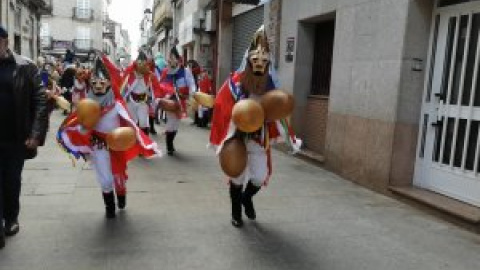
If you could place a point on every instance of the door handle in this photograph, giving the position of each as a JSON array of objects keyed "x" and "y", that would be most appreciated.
[{"x": 440, "y": 96}]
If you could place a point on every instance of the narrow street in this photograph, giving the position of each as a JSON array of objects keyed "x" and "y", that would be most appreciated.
[{"x": 178, "y": 211}]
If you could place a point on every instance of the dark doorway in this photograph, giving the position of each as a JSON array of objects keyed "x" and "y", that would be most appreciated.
[
  {"x": 322, "y": 58},
  {"x": 317, "y": 102}
]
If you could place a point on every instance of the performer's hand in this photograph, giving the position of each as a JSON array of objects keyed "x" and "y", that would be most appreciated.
[{"x": 31, "y": 143}]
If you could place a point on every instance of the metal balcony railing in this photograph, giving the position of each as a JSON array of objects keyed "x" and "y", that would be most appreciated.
[
  {"x": 83, "y": 45},
  {"x": 46, "y": 42},
  {"x": 83, "y": 14}
]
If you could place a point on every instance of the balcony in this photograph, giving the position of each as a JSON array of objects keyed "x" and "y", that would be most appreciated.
[
  {"x": 44, "y": 6},
  {"x": 163, "y": 15},
  {"x": 46, "y": 42},
  {"x": 83, "y": 14},
  {"x": 83, "y": 45}
]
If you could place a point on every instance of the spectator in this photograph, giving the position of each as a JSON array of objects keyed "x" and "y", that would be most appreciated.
[
  {"x": 23, "y": 113},
  {"x": 69, "y": 57}
]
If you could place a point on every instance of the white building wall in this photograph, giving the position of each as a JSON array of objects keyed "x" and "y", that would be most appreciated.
[{"x": 63, "y": 27}]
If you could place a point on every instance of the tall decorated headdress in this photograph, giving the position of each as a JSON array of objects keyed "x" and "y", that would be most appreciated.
[
  {"x": 257, "y": 67},
  {"x": 259, "y": 48},
  {"x": 99, "y": 70}
]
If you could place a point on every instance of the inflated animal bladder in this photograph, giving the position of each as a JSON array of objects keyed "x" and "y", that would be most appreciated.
[
  {"x": 233, "y": 157},
  {"x": 203, "y": 99},
  {"x": 121, "y": 138},
  {"x": 88, "y": 113},
  {"x": 248, "y": 115},
  {"x": 277, "y": 104}
]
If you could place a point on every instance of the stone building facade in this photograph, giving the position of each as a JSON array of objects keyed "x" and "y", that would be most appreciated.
[
  {"x": 22, "y": 20},
  {"x": 388, "y": 92},
  {"x": 74, "y": 24}
]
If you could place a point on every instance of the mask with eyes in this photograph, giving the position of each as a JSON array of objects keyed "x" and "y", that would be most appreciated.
[
  {"x": 100, "y": 80},
  {"x": 259, "y": 53},
  {"x": 100, "y": 85},
  {"x": 255, "y": 77}
]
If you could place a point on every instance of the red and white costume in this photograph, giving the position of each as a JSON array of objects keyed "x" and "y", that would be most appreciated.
[
  {"x": 110, "y": 166},
  {"x": 139, "y": 91},
  {"x": 176, "y": 84},
  {"x": 259, "y": 166}
]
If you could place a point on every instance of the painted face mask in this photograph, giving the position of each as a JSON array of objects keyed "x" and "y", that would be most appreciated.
[
  {"x": 259, "y": 53},
  {"x": 142, "y": 67},
  {"x": 259, "y": 59},
  {"x": 100, "y": 86}
]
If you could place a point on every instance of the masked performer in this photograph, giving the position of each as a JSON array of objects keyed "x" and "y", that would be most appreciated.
[
  {"x": 204, "y": 85},
  {"x": 248, "y": 116},
  {"x": 179, "y": 79},
  {"x": 102, "y": 131},
  {"x": 140, "y": 88}
]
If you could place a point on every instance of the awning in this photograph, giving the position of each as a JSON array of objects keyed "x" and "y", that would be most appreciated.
[{"x": 248, "y": 2}]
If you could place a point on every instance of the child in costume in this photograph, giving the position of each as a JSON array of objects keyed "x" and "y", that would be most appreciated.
[
  {"x": 177, "y": 85},
  {"x": 109, "y": 165}
]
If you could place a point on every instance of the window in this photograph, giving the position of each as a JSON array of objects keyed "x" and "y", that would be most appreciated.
[
  {"x": 44, "y": 29},
  {"x": 444, "y": 3},
  {"x": 83, "y": 9},
  {"x": 83, "y": 38}
]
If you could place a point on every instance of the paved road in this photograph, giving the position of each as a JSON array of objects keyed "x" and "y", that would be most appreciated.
[{"x": 177, "y": 217}]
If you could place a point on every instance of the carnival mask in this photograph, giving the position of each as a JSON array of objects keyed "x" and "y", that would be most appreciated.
[
  {"x": 259, "y": 59},
  {"x": 142, "y": 67},
  {"x": 172, "y": 61},
  {"x": 100, "y": 86}
]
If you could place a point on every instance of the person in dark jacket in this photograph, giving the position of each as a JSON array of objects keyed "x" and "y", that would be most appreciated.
[{"x": 23, "y": 116}]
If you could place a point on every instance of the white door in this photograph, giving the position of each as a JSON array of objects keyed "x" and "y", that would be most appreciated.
[{"x": 449, "y": 143}]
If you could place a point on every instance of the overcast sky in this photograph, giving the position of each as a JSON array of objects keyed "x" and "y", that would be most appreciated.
[{"x": 129, "y": 13}]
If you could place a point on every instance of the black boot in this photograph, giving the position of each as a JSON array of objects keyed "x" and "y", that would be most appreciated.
[
  {"x": 247, "y": 202},
  {"x": 169, "y": 142},
  {"x": 122, "y": 201},
  {"x": 109, "y": 200},
  {"x": 236, "y": 199},
  {"x": 151, "y": 121},
  {"x": 2, "y": 237},
  {"x": 146, "y": 130},
  {"x": 169, "y": 137}
]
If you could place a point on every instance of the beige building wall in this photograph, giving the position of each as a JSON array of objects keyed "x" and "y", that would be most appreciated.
[
  {"x": 29, "y": 26},
  {"x": 375, "y": 96}
]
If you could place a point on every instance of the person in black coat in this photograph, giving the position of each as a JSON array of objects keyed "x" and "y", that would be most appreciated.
[{"x": 24, "y": 119}]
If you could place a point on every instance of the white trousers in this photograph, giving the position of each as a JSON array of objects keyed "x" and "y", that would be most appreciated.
[
  {"x": 139, "y": 113},
  {"x": 257, "y": 166},
  {"x": 100, "y": 160},
  {"x": 172, "y": 121}
]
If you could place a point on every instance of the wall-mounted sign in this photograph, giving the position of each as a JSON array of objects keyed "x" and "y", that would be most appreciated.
[
  {"x": 62, "y": 44},
  {"x": 290, "y": 49}
]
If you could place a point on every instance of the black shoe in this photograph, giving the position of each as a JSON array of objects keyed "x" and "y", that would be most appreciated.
[
  {"x": 236, "y": 199},
  {"x": 12, "y": 228},
  {"x": 247, "y": 202},
  {"x": 109, "y": 200},
  {"x": 122, "y": 201},
  {"x": 151, "y": 122},
  {"x": 2, "y": 240},
  {"x": 237, "y": 223}
]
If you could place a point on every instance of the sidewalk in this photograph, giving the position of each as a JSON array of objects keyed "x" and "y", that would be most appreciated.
[{"x": 178, "y": 212}]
